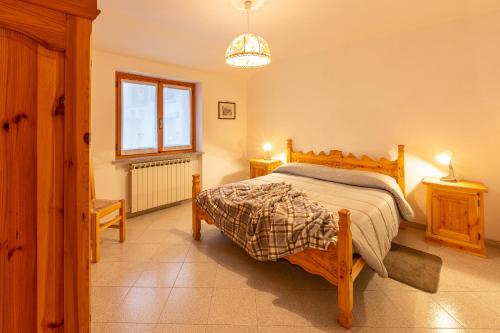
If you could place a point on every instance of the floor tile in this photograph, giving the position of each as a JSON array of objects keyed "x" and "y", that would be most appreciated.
[
  {"x": 421, "y": 310},
  {"x": 233, "y": 306},
  {"x": 171, "y": 253},
  {"x": 174, "y": 328},
  {"x": 197, "y": 275},
  {"x": 234, "y": 276},
  {"x": 374, "y": 309},
  {"x": 119, "y": 274},
  {"x": 141, "y": 305},
  {"x": 179, "y": 236},
  {"x": 104, "y": 300},
  {"x": 232, "y": 329},
  {"x": 129, "y": 328},
  {"x": 490, "y": 299},
  {"x": 201, "y": 253},
  {"x": 467, "y": 308},
  {"x": 320, "y": 307},
  {"x": 187, "y": 306},
  {"x": 153, "y": 236},
  {"x": 159, "y": 275},
  {"x": 97, "y": 327},
  {"x": 280, "y": 308},
  {"x": 128, "y": 251}
]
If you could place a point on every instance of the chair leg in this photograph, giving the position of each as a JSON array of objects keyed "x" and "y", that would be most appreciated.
[
  {"x": 123, "y": 222},
  {"x": 95, "y": 238}
]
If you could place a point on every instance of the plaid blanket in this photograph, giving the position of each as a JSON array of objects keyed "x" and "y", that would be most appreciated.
[{"x": 269, "y": 221}]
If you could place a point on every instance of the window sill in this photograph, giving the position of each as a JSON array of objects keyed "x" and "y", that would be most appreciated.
[{"x": 132, "y": 160}]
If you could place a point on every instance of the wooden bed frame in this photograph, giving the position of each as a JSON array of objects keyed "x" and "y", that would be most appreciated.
[{"x": 338, "y": 265}]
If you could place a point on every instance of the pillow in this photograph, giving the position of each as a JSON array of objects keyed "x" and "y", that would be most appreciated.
[{"x": 351, "y": 177}]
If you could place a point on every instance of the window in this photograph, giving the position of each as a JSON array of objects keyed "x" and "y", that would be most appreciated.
[{"x": 154, "y": 116}]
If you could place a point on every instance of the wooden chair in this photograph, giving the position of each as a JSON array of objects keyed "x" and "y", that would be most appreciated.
[{"x": 100, "y": 208}]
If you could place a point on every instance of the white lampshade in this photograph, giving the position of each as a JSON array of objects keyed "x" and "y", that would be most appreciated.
[
  {"x": 248, "y": 51},
  {"x": 445, "y": 157},
  {"x": 267, "y": 146}
]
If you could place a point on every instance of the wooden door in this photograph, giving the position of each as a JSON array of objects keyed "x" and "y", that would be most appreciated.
[
  {"x": 31, "y": 185},
  {"x": 456, "y": 215}
]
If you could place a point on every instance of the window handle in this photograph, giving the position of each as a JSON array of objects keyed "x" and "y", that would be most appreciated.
[{"x": 161, "y": 123}]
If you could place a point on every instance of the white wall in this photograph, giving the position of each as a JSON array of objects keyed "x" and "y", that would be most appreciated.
[
  {"x": 223, "y": 141},
  {"x": 432, "y": 89}
]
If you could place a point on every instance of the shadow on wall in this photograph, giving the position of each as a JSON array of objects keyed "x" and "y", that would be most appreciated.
[
  {"x": 416, "y": 168},
  {"x": 234, "y": 177}
]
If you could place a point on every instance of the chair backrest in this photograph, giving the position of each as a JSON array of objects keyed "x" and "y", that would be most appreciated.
[{"x": 91, "y": 177}]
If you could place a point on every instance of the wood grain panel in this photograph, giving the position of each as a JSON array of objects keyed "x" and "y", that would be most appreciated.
[
  {"x": 337, "y": 159},
  {"x": 50, "y": 190},
  {"x": 46, "y": 26},
  {"x": 76, "y": 177},
  {"x": 18, "y": 187},
  {"x": 81, "y": 8}
]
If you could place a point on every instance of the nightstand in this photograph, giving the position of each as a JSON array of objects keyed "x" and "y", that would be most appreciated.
[
  {"x": 261, "y": 167},
  {"x": 455, "y": 214}
]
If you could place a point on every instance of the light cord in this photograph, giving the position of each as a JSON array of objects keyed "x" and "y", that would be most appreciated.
[
  {"x": 248, "y": 8},
  {"x": 248, "y": 20}
]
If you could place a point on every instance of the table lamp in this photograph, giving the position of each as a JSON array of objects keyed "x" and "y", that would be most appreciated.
[
  {"x": 446, "y": 159},
  {"x": 267, "y": 148}
]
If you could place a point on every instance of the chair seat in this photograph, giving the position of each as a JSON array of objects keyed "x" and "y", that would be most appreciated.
[{"x": 99, "y": 205}]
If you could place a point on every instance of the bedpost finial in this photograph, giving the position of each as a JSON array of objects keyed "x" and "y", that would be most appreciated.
[
  {"x": 344, "y": 220},
  {"x": 289, "y": 143},
  {"x": 401, "y": 167}
]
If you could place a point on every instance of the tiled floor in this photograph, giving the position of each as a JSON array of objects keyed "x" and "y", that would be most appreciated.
[{"x": 160, "y": 280}]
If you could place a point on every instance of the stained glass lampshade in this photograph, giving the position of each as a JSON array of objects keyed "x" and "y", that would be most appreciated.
[{"x": 248, "y": 51}]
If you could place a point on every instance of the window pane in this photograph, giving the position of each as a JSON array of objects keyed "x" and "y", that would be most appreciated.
[
  {"x": 176, "y": 117},
  {"x": 139, "y": 116}
]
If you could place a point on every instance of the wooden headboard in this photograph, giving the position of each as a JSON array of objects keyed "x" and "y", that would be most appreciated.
[{"x": 336, "y": 159}]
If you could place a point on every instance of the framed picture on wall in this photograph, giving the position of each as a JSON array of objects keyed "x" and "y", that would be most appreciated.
[{"x": 227, "y": 110}]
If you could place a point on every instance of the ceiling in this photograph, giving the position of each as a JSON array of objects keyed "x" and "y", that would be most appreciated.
[{"x": 195, "y": 33}]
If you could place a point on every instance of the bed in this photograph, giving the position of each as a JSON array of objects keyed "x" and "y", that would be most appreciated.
[{"x": 340, "y": 263}]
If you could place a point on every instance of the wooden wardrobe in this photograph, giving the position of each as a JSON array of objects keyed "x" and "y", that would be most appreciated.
[{"x": 44, "y": 165}]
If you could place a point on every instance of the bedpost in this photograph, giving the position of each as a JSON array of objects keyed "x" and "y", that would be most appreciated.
[
  {"x": 196, "y": 220},
  {"x": 288, "y": 150},
  {"x": 344, "y": 266},
  {"x": 401, "y": 167}
]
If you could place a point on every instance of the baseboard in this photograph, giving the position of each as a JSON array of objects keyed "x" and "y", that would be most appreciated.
[
  {"x": 414, "y": 225},
  {"x": 492, "y": 242},
  {"x": 147, "y": 211}
]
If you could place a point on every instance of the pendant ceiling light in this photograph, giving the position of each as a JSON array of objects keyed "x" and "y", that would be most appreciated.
[{"x": 248, "y": 50}]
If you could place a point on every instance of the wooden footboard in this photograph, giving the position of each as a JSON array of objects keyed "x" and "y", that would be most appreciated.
[{"x": 337, "y": 264}]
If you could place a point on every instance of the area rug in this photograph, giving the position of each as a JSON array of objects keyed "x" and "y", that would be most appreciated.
[{"x": 413, "y": 267}]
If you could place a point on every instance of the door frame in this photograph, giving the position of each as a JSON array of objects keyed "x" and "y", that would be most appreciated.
[{"x": 65, "y": 26}]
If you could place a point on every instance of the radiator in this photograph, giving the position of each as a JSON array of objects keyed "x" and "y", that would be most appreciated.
[{"x": 159, "y": 183}]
